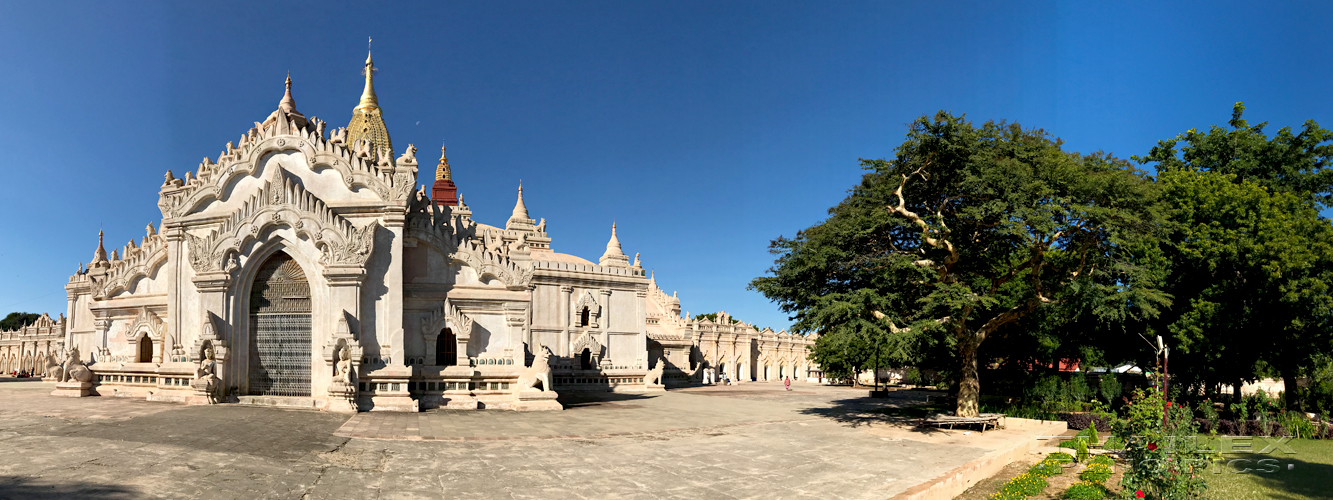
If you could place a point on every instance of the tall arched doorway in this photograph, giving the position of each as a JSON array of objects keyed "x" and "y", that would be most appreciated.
[
  {"x": 446, "y": 348},
  {"x": 145, "y": 349},
  {"x": 280, "y": 329}
]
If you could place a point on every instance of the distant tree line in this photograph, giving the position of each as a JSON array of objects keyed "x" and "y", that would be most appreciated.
[{"x": 16, "y": 320}]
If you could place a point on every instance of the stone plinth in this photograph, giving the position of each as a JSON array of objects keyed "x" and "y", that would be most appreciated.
[
  {"x": 342, "y": 398},
  {"x": 462, "y": 401},
  {"x": 388, "y": 387},
  {"x": 537, "y": 401},
  {"x": 72, "y": 389}
]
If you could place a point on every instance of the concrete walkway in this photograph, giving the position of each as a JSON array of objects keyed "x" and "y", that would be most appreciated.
[{"x": 746, "y": 441}]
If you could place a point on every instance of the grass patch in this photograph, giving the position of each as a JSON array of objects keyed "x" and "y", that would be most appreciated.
[{"x": 1306, "y": 474}]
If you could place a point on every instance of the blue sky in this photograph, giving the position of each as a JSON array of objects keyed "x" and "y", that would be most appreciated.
[{"x": 704, "y": 129}]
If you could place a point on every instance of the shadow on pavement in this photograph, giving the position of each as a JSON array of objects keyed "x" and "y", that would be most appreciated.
[
  {"x": 903, "y": 411},
  {"x": 573, "y": 400},
  {"x": 28, "y": 488}
]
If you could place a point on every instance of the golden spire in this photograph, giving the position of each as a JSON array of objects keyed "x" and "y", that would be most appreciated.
[
  {"x": 368, "y": 99},
  {"x": 442, "y": 170},
  {"x": 368, "y": 119}
]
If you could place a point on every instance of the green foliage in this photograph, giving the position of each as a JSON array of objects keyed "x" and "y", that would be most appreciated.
[
  {"x": 1086, "y": 490},
  {"x": 1061, "y": 456},
  {"x": 1102, "y": 459},
  {"x": 995, "y": 225},
  {"x": 1096, "y": 472},
  {"x": 1081, "y": 450},
  {"x": 1207, "y": 412},
  {"x": 1047, "y": 467},
  {"x": 1248, "y": 251},
  {"x": 1113, "y": 443},
  {"x": 1109, "y": 388},
  {"x": 1031, "y": 411},
  {"x": 1165, "y": 460},
  {"x": 16, "y": 320},
  {"x": 1021, "y": 487},
  {"x": 1296, "y": 424}
]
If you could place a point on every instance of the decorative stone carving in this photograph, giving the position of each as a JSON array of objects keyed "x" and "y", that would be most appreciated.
[
  {"x": 594, "y": 310},
  {"x": 206, "y": 382},
  {"x": 588, "y": 341},
  {"x": 284, "y": 202}
]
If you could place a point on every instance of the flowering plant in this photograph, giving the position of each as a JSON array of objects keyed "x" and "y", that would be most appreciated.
[{"x": 1165, "y": 461}]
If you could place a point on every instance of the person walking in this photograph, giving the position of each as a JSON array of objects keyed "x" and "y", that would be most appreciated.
[{"x": 786, "y": 381}]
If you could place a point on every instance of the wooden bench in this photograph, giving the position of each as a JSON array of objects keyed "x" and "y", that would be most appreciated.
[{"x": 985, "y": 419}]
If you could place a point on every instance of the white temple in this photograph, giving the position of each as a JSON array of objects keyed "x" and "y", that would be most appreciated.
[{"x": 305, "y": 267}]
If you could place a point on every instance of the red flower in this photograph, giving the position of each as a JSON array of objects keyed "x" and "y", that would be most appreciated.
[
  {"x": 1138, "y": 494},
  {"x": 1151, "y": 447},
  {"x": 1168, "y": 404}
]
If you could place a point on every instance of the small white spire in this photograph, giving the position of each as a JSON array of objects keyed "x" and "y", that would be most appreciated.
[{"x": 614, "y": 256}]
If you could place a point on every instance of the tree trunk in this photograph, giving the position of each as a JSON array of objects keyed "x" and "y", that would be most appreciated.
[
  {"x": 969, "y": 383},
  {"x": 1235, "y": 393},
  {"x": 1291, "y": 390}
]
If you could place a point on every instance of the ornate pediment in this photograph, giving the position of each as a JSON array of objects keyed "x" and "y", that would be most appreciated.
[
  {"x": 139, "y": 262},
  {"x": 180, "y": 197},
  {"x": 282, "y": 202},
  {"x": 446, "y": 315},
  {"x": 589, "y": 302}
]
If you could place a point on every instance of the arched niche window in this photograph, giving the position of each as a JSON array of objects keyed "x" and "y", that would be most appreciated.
[
  {"x": 583, "y": 317},
  {"x": 145, "y": 350},
  {"x": 585, "y": 358},
  {"x": 446, "y": 348}
]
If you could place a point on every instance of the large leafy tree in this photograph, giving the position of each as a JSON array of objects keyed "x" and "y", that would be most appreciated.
[
  {"x": 1251, "y": 259},
  {"x": 966, "y": 231}
]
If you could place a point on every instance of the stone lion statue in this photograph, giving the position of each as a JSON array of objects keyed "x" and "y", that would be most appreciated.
[
  {"x": 74, "y": 370},
  {"x": 53, "y": 368},
  {"x": 654, "y": 376},
  {"x": 539, "y": 372}
]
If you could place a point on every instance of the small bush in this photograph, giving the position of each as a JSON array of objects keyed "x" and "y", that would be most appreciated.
[
  {"x": 1296, "y": 423},
  {"x": 1082, "y": 451},
  {"x": 1205, "y": 425},
  {"x": 1102, "y": 459},
  {"x": 1047, "y": 467},
  {"x": 1021, "y": 487},
  {"x": 1086, "y": 491},
  {"x": 1061, "y": 456},
  {"x": 1096, "y": 472},
  {"x": 1228, "y": 428}
]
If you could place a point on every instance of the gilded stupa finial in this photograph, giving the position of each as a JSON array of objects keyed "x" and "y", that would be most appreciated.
[
  {"x": 442, "y": 170},
  {"x": 368, "y": 99}
]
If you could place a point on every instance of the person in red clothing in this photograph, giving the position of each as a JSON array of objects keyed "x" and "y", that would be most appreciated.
[{"x": 786, "y": 381}]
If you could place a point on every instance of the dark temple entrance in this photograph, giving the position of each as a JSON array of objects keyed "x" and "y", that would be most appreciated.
[{"x": 280, "y": 329}]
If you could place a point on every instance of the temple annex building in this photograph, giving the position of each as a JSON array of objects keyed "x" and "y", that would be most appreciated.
[{"x": 305, "y": 267}]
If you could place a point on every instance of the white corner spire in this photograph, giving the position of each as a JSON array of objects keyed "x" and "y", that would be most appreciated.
[{"x": 614, "y": 256}]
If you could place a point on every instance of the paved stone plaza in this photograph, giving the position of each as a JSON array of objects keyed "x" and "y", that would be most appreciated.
[{"x": 748, "y": 441}]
